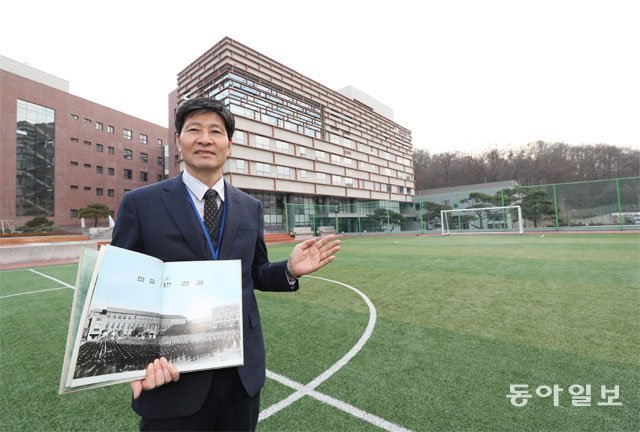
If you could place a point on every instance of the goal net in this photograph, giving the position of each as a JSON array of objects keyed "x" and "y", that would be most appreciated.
[{"x": 506, "y": 219}]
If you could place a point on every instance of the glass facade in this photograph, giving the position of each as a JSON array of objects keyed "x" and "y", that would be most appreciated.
[
  {"x": 35, "y": 145},
  {"x": 267, "y": 102},
  {"x": 273, "y": 207}
]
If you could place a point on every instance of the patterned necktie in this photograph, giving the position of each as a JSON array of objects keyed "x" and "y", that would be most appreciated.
[{"x": 210, "y": 208}]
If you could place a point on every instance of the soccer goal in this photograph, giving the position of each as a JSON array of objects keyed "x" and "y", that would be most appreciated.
[{"x": 507, "y": 219}]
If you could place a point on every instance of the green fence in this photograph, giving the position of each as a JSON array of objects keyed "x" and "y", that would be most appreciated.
[
  {"x": 597, "y": 205},
  {"x": 593, "y": 204}
]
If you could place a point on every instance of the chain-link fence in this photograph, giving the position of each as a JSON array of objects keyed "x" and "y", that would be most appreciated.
[
  {"x": 602, "y": 204},
  {"x": 598, "y": 205}
]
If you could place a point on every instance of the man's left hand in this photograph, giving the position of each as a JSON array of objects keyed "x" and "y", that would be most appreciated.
[{"x": 313, "y": 254}]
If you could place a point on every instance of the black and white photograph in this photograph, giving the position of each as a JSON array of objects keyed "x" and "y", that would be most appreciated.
[{"x": 138, "y": 309}]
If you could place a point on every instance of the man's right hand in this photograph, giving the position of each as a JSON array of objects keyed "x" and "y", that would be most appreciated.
[{"x": 159, "y": 372}]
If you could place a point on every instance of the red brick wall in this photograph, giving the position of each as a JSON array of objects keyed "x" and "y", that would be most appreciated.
[{"x": 13, "y": 87}]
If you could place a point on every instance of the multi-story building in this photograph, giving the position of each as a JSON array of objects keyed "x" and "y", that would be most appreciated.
[
  {"x": 312, "y": 155},
  {"x": 60, "y": 153}
]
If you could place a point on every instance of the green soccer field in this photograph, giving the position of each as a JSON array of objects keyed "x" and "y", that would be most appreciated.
[{"x": 399, "y": 333}]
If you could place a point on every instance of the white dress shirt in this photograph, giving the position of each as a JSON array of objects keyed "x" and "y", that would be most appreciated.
[{"x": 197, "y": 189}]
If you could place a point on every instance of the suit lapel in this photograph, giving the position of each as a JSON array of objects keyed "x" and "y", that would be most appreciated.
[
  {"x": 179, "y": 208},
  {"x": 232, "y": 221}
]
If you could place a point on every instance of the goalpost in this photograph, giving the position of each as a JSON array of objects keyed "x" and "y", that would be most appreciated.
[{"x": 507, "y": 219}]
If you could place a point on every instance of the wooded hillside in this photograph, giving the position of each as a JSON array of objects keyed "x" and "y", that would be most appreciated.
[{"x": 535, "y": 163}]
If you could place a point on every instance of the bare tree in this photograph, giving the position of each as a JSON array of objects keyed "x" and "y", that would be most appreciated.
[{"x": 533, "y": 164}]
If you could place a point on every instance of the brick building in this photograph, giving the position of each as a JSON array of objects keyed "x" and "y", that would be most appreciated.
[{"x": 60, "y": 152}]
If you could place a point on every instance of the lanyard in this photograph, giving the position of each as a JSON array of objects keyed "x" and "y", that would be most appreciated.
[{"x": 215, "y": 253}]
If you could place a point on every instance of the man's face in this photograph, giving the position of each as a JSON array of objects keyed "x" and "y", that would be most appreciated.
[{"x": 204, "y": 143}]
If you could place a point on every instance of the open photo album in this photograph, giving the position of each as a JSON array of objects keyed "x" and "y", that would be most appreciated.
[{"x": 130, "y": 308}]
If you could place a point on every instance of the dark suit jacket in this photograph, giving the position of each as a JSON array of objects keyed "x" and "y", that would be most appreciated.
[{"x": 158, "y": 220}]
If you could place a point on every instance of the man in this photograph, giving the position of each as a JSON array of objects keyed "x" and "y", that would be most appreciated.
[{"x": 167, "y": 220}]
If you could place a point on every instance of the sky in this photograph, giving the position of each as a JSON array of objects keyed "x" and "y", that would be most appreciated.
[{"x": 464, "y": 75}]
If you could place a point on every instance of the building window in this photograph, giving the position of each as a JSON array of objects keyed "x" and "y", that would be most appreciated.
[
  {"x": 74, "y": 163},
  {"x": 144, "y": 176},
  {"x": 128, "y": 174},
  {"x": 87, "y": 120},
  {"x": 283, "y": 172},
  {"x": 348, "y": 182},
  {"x": 334, "y": 138},
  {"x": 160, "y": 161},
  {"x": 128, "y": 154},
  {"x": 239, "y": 137},
  {"x": 127, "y": 134},
  {"x": 99, "y": 169},
  {"x": 99, "y": 148},
  {"x": 111, "y": 171},
  {"x": 87, "y": 165},
  {"x": 87, "y": 143},
  {"x": 73, "y": 213},
  {"x": 263, "y": 142},
  {"x": 99, "y": 191},
  {"x": 337, "y": 180},
  {"x": 144, "y": 139},
  {"x": 270, "y": 119},
  {"x": 335, "y": 159},
  {"x": 74, "y": 187},
  {"x": 263, "y": 169},
  {"x": 290, "y": 126},
  {"x": 144, "y": 157},
  {"x": 387, "y": 171},
  {"x": 87, "y": 188},
  {"x": 110, "y": 129},
  {"x": 159, "y": 142},
  {"x": 111, "y": 192},
  {"x": 303, "y": 151},
  {"x": 111, "y": 150},
  {"x": 321, "y": 178},
  {"x": 348, "y": 162},
  {"x": 320, "y": 155},
  {"x": 74, "y": 140},
  {"x": 303, "y": 175},
  {"x": 99, "y": 126},
  {"x": 74, "y": 116},
  {"x": 282, "y": 146},
  {"x": 241, "y": 166}
]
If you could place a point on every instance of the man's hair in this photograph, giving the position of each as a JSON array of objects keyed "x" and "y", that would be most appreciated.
[{"x": 202, "y": 105}]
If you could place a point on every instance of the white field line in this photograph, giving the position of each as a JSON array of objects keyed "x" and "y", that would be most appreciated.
[
  {"x": 308, "y": 390},
  {"x": 33, "y": 292},
  {"x": 52, "y": 278},
  {"x": 66, "y": 286},
  {"x": 303, "y": 390}
]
